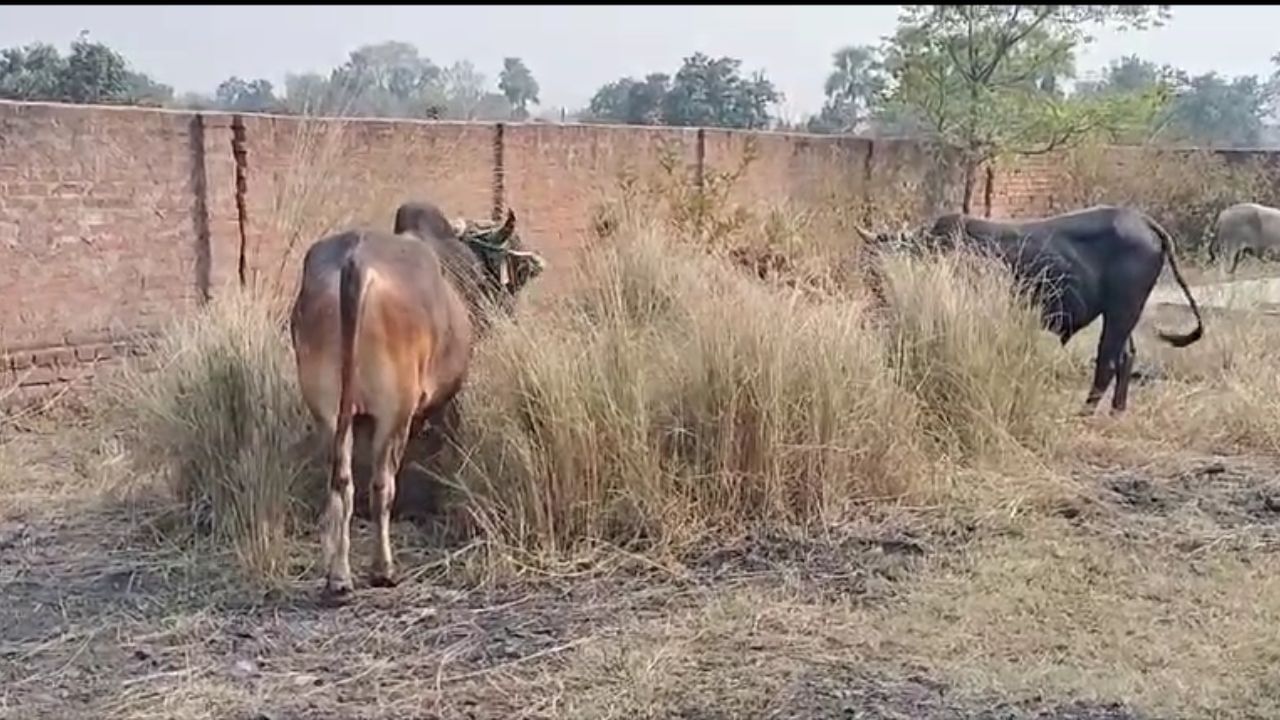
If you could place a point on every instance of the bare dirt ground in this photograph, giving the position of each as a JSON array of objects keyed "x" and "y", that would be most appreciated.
[{"x": 1136, "y": 579}]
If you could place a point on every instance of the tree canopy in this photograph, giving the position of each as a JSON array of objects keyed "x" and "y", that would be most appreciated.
[
  {"x": 705, "y": 91},
  {"x": 91, "y": 73},
  {"x": 987, "y": 78},
  {"x": 853, "y": 90},
  {"x": 518, "y": 86}
]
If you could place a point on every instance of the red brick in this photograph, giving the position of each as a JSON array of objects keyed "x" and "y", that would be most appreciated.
[{"x": 38, "y": 375}]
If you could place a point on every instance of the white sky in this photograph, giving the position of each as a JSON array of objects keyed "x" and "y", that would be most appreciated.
[{"x": 574, "y": 50}]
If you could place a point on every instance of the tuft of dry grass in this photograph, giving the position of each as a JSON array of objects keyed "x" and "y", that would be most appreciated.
[
  {"x": 670, "y": 397},
  {"x": 968, "y": 342},
  {"x": 221, "y": 419}
]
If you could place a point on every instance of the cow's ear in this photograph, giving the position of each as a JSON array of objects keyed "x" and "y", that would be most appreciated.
[{"x": 503, "y": 235}]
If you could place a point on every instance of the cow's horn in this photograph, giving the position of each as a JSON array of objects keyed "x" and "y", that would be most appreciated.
[
  {"x": 865, "y": 234},
  {"x": 508, "y": 227}
]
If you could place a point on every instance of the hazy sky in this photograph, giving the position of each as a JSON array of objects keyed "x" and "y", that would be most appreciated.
[{"x": 574, "y": 50}]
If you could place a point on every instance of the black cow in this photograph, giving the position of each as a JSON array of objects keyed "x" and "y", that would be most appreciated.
[{"x": 1102, "y": 260}]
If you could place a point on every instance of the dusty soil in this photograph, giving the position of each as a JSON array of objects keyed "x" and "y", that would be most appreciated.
[{"x": 105, "y": 618}]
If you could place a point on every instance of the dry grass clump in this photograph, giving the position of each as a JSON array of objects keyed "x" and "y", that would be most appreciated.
[
  {"x": 805, "y": 245},
  {"x": 968, "y": 342},
  {"x": 1221, "y": 394},
  {"x": 672, "y": 396},
  {"x": 221, "y": 419}
]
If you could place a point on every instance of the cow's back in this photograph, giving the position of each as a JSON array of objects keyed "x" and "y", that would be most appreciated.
[
  {"x": 412, "y": 320},
  {"x": 412, "y": 268},
  {"x": 1257, "y": 225},
  {"x": 313, "y": 323},
  {"x": 1087, "y": 254},
  {"x": 409, "y": 271}
]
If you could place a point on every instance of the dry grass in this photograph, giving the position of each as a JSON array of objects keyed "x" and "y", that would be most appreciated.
[
  {"x": 1046, "y": 615},
  {"x": 668, "y": 397},
  {"x": 222, "y": 420}
]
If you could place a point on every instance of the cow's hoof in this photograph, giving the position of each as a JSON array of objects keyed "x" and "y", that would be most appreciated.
[
  {"x": 337, "y": 592},
  {"x": 384, "y": 580}
]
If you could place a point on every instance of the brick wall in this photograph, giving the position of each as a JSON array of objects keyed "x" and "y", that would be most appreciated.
[
  {"x": 101, "y": 233},
  {"x": 553, "y": 175},
  {"x": 114, "y": 221},
  {"x": 310, "y": 178}
]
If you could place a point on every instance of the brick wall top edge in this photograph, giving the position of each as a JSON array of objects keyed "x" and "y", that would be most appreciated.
[
  {"x": 515, "y": 129},
  {"x": 219, "y": 117},
  {"x": 13, "y": 107}
]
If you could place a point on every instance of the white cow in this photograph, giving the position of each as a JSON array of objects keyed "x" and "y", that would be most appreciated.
[{"x": 1242, "y": 228}]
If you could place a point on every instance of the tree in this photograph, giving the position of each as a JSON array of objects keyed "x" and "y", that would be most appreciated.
[
  {"x": 852, "y": 89},
  {"x": 519, "y": 86},
  {"x": 308, "y": 94},
  {"x": 984, "y": 78},
  {"x": 704, "y": 92},
  {"x": 389, "y": 79},
  {"x": 91, "y": 73},
  {"x": 631, "y": 101},
  {"x": 1211, "y": 110},
  {"x": 1149, "y": 88},
  {"x": 1127, "y": 75},
  {"x": 712, "y": 93},
  {"x": 142, "y": 90},
  {"x": 464, "y": 91},
  {"x": 1205, "y": 110},
  {"x": 34, "y": 72},
  {"x": 244, "y": 96},
  {"x": 94, "y": 73}
]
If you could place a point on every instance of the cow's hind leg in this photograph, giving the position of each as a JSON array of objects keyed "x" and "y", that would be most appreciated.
[
  {"x": 1124, "y": 373},
  {"x": 1117, "y": 330},
  {"x": 390, "y": 440},
  {"x": 1237, "y": 257},
  {"x": 336, "y": 538}
]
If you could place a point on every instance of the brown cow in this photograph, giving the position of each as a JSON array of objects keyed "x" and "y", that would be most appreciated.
[{"x": 382, "y": 328}]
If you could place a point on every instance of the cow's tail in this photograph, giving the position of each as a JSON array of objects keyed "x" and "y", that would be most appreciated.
[
  {"x": 352, "y": 282},
  {"x": 1167, "y": 249}
]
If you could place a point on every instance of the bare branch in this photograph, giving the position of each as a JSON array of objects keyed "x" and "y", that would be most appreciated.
[{"x": 1003, "y": 49}]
